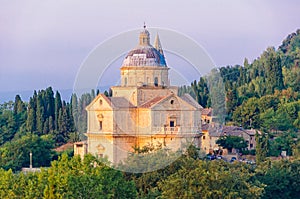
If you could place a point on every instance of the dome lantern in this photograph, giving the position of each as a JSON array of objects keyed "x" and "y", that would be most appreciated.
[
  {"x": 145, "y": 54},
  {"x": 144, "y": 37}
]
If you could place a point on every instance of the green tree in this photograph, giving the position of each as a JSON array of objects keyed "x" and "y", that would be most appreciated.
[
  {"x": 74, "y": 108},
  {"x": 31, "y": 114},
  {"x": 292, "y": 77},
  {"x": 281, "y": 179},
  {"x": 284, "y": 142},
  {"x": 272, "y": 64},
  {"x": 15, "y": 154},
  {"x": 40, "y": 114},
  {"x": 247, "y": 113},
  {"x": 19, "y": 112},
  {"x": 262, "y": 147},
  {"x": 90, "y": 178},
  {"x": 231, "y": 101},
  {"x": 211, "y": 179},
  {"x": 232, "y": 142},
  {"x": 296, "y": 150},
  {"x": 6, "y": 184},
  {"x": 57, "y": 107},
  {"x": 7, "y": 125},
  {"x": 49, "y": 103}
]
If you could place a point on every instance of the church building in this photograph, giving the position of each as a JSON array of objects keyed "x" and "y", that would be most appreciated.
[{"x": 144, "y": 110}]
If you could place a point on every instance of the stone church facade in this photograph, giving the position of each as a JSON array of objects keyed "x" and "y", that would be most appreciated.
[{"x": 144, "y": 110}]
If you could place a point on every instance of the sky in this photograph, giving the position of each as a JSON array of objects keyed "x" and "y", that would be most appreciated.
[{"x": 43, "y": 43}]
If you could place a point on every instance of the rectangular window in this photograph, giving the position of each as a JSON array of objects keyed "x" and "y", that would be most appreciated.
[{"x": 172, "y": 123}]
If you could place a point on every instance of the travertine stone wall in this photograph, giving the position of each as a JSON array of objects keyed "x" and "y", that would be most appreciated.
[{"x": 135, "y": 76}]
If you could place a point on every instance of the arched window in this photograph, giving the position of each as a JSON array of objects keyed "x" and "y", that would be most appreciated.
[
  {"x": 155, "y": 81},
  {"x": 125, "y": 81}
]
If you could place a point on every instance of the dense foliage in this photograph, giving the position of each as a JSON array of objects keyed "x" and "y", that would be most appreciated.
[
  {"x": 186, "y": 177},
  {"x": 232, "y": 142},
  {"x": 263, "y": 94},
  {"x": 39, "y": 126},
  {"x": 68, "y": 178},
  {"x": 15, "y": 154}
]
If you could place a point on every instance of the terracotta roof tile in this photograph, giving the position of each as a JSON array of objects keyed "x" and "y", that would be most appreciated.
[
  {"x": 64, "y": 147},
  {"x": 120, "y": 102},
  {"x": 232, "y": 131},
  {"x": 207, "y": 111},
  {"x": 153, "y": 101},
  {"x": 187, "y": 98},
  {"x": 252, "y": 131},
  {"x": 213, "y": 129},
  {"x": 205, "y": 127}
]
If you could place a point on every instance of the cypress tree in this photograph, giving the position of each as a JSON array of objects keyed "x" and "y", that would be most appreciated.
[
  {"x": 18, "y": 105},
  {"x": 58, "y": 106},
  {"x": 106, "y": 93},
  {"x": 262, "y": 147},
  {"x": 40, "y": 117},
  {"x": 51, "y": 124},
  {"x": 46, "y": 127},
  {"x": 272, "y": 64},
  {"x": 93, "y": 93},
  {"x": 31, "y": 115},
  {"x": 70, "y": 118},
  {"x": 49, "y": 102},
  {"x": 74, "y": 109},
  {"x": 19, "y": 112}
]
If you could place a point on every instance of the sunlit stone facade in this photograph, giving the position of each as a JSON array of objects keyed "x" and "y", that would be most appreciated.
[{"x": 143, "y": 110}]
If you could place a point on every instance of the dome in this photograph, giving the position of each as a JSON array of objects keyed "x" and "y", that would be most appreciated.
[{"x": 145, "y": 54}]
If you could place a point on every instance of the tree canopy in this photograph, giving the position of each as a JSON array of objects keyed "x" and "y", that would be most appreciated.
[{"x": 232, "y": 142}]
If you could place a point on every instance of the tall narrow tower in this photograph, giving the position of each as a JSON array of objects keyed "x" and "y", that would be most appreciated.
[{"x": 157, "y": 45}]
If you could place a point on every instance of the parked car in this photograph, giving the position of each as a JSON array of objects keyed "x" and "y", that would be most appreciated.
[
  {"x": 233, "y": 159},
  {"x": 210, "y": 157},
  {"x": 250, "y": 162}
]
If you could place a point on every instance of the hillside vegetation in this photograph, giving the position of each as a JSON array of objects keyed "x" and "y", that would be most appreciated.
[{"x": 264, "y": 94}]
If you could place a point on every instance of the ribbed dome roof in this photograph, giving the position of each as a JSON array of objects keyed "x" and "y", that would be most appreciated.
[{"x": 145, "y": 54}]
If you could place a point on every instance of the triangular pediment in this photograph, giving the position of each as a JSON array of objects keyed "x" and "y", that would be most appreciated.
[
  {"x": 99, "y": 103},
  {"x": 189, "y": 99},
  {"x": 170, "y": 102}
]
